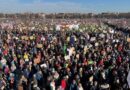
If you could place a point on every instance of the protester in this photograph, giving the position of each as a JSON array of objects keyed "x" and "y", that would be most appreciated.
[{"x": 93, "y": 57}]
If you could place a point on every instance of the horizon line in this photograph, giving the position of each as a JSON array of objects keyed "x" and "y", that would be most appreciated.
[{"x": 29, "y": 12}]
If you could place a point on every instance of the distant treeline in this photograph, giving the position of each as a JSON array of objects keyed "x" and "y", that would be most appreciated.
[{"x": 66, "y": 15}]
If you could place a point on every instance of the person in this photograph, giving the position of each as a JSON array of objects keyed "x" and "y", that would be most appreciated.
[
  {"x": 80, "y": 86},
  {"x": 73, "y": 86},
  {"x": 63, "y": 84}
]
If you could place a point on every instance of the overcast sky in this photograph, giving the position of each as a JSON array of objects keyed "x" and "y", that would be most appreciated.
[{"x": 55, "y": 6}]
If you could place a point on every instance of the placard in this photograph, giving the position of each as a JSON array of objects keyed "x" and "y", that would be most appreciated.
[
  {"x": 39, "y": 45},
  {"x": 128, "y": 39}
]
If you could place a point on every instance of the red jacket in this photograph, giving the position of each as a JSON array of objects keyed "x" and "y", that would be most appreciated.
[{"x": 63, "y": 84}]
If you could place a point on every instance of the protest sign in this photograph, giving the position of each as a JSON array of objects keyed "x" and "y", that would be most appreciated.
[
  {"x": 39, "y": 45},
  {"x": 128, "y": 39}
]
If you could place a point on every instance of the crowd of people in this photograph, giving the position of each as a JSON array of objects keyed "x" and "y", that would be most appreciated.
[{"x": 82, "y": 59}]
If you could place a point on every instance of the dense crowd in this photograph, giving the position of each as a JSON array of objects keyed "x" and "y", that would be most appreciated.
[{"x": 64, "y": 60}]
